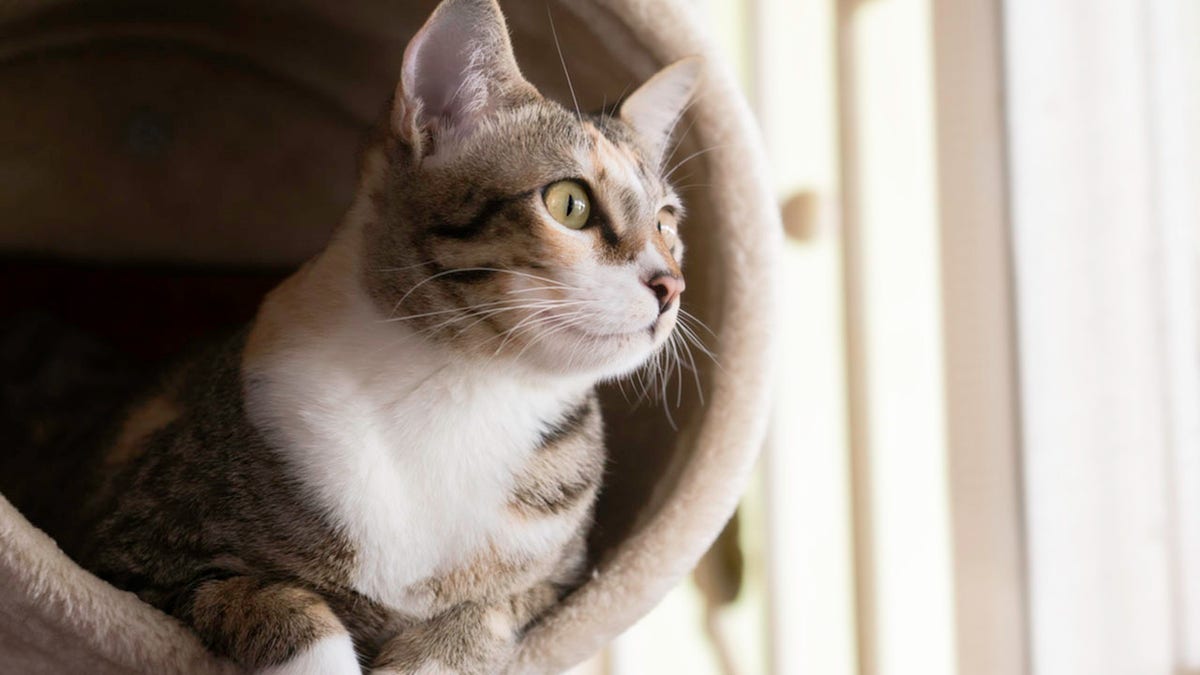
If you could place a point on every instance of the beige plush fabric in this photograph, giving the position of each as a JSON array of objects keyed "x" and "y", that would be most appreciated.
[
  {"x": 671, "y": 490},
  {"x": 58, "y": 618}
]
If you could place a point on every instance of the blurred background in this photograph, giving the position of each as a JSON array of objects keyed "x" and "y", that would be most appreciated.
[{"x": 985, "y": 456}]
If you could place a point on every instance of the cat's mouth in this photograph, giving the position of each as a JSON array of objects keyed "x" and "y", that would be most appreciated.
[
  {"x": 605, "y": 348},
  {"x": 649, "y": 332},
  {"x": 612, "y": 336}
]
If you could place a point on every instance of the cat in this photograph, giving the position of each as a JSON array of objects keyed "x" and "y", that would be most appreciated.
[{"x": 394, "y": 465}]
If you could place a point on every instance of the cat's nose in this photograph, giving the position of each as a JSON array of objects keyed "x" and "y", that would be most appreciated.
[{"x": 666, "y": 288}]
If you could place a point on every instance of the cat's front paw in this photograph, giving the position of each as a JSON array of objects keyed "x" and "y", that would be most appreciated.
[
  {"x": 464, "y": 662},
  {"x": 470, "y": 639},
  {"x": 333, "y": 655}
]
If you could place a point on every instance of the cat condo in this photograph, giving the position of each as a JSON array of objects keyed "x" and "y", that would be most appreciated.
[{"x": 164, "y": 164}]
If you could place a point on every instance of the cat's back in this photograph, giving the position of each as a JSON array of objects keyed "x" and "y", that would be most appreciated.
[{"x": 190, "y": 488}]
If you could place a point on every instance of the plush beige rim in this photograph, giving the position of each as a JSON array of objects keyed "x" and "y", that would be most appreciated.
[
  {"x": 656, "y": 556},
  {"x": 52, "y": 607}
]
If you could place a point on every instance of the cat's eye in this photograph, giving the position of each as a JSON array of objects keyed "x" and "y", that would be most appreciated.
[
  {"x": 666, "y": 227},
  {"x": 568, "y": 203}
]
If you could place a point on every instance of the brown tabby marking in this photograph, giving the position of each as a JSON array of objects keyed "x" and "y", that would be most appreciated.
[
  {"x": 209, "y": 501},
  {"x": 488, "y": 575},
  {"x": 620, "y": 177},
  {"x": 471, "y": 638},
  {"x": 566, "y": 471},
  {"x": 262, "y": 622}
]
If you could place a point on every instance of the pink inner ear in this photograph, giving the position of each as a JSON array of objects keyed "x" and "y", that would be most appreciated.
[
  {"x": 437, "y": 72},
  {"x": 458, "y": 67},
  {"x": 654, "y": 108}
]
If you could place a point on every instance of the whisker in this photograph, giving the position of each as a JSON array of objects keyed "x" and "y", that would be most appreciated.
[
  {"x": 471, "y": 311},
  {"x": 693, "y": 317},
  {"x": 543, "y": 288},
  {"x": 405, "y": 267},
  {"x": 666, "y": 406},
  {"x": 524, "y": 324},
  {"x": 673, "y": 365},
  {"x": 563, "y": 61},
  {"x": 695, "y": 371},
  {"x": 679, "y": 141},
  {"x": 692, "y": 156},
  {"x": 512, "y": 331},
  {"x": 459, "y": 270},
  {"x": 485, "y": 315},
  {"x": 618, "y": 100},
  {"x": 409, "y": 317},
  {"x": 691, "y": 335},
  {"x": 545, "y": 334},
  {"x": 509, "y": 303},
  {"x": 529, "y": 275},
  {"x": 534, "y": 320},
  {"x": 651, "y": 376}
]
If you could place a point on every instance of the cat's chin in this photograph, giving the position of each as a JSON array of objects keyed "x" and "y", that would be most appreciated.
[{"x": 597, "y": 356}]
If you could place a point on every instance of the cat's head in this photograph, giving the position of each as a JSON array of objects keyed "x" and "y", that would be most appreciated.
[{"x": 515, "y": 227}]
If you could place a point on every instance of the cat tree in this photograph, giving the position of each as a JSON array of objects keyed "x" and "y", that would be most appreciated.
[{"x": 208, "y": 146}]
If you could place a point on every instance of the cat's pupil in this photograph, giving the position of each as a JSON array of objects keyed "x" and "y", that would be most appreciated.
[
  {"x": 570, "y": 205},
  {"x": 660, "y": 227}
]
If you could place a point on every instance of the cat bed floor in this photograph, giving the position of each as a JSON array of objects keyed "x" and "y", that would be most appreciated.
[{"x": 186, "y": 154}]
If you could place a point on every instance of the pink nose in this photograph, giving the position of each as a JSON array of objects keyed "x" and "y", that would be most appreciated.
[{"x": 666, "y": 288}]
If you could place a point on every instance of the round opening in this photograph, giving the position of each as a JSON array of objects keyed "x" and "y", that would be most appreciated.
[{"x": 164, "y": 167}]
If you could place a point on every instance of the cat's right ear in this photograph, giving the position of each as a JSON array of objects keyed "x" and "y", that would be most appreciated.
[
  {"x": 458, "y": 68},
  {"x": 654, "y": 108}
]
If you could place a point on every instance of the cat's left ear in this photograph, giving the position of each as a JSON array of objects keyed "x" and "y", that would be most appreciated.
[
  {"x": 458, "y": 68},
  {"x": 654, "y": 108}
]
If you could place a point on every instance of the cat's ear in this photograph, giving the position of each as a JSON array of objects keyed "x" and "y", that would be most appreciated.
[
  {"x": 457, "y": 68},
  {"x": 656, "y": 106}
]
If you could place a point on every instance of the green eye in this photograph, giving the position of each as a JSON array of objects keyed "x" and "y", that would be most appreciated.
[
  {"x": 667, "y": 227},
  {"x": 568, "y": 203}
]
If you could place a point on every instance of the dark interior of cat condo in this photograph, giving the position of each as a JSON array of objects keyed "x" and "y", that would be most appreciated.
[{"x": 163, "y": 165}]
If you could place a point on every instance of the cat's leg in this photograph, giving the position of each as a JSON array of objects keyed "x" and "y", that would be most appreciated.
[
  {"x": 470, "y": 639},
  {"x": 270, "y": 627}
]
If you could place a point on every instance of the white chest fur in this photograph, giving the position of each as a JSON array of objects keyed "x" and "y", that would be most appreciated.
[{"x": 412, "y": 454}]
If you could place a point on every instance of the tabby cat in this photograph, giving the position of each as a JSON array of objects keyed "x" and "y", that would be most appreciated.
[{"x": 395, "y": 464}]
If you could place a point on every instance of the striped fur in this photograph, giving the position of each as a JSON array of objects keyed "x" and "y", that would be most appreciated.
[{"x": 403, "y": 450}]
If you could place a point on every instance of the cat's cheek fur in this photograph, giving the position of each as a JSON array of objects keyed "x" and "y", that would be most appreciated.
[
  {"x": 623, "y": 303},
  {"x": 333, "y": 655},
  {"x": 619, "y": 304}
]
